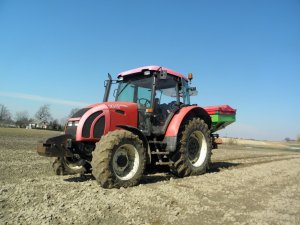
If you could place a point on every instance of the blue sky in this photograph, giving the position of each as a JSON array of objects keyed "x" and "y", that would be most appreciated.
[{"x": 242, "y": 53}]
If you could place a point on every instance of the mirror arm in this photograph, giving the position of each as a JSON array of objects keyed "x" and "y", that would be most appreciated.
[{"x": 107, "y": 86}]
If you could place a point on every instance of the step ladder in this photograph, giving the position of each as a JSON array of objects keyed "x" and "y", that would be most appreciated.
[{"x": 163, "y": 156}]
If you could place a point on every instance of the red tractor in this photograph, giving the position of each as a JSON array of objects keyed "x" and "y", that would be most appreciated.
[{"x": 151, "y": 122}]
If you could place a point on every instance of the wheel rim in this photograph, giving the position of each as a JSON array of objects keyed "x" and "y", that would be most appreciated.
[
  {"x": 197, "y": 148},
  {"x": 126, "y": 162},
  {"x": 73, "y": 163}
]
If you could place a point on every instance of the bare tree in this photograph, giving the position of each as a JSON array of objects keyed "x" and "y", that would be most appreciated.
[
  {"x": 22, "y": 119},
  {"x": 5, "y": 115},
  {"x": 43, "y": 115},
  {"x": 54, "y": 125},
  {"x": 73, "y": 111},
  {"x": 63, "y": 121}
]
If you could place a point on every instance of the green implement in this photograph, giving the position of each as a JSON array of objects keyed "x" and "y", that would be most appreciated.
[{"x": 221, "y": 116}]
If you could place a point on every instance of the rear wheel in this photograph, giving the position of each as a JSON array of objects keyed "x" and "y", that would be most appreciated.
[
  {"x": 68, "y": 166},
  {"x": 193, "y": 153},
  {"x": 118, "y": 160}
]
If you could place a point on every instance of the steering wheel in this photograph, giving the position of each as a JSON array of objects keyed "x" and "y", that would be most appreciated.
[{"x": 147, "y": 103}]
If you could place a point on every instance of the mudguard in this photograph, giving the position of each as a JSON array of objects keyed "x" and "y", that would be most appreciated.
[{"x": 174, "y": 125}]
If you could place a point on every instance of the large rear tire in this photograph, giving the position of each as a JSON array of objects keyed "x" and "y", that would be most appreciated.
[
  {"x": 118, "y": 160},
  {"x": 193, "y": 153},
  {"x": 68, "y": 166}
]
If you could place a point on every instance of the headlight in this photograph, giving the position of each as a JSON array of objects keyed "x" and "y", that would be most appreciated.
[{"x": 73, "y": 123}]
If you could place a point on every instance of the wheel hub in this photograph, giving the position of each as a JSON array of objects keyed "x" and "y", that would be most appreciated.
[
  {"x": 197, "y": 147},
  {"x": 122, "y": 161},
  {"x": 193, "y": 149},
  {"x": 125, "y": 161}
]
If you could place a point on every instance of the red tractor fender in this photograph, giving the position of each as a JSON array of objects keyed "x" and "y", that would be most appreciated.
[{"x": 185, "y": 113}]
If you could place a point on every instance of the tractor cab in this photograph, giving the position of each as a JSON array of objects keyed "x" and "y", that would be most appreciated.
[{"x": 158, "y": 92}]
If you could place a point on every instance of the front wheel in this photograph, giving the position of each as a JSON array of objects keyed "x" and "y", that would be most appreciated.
[
  {"x": 118, "y": 160},
  {"x": 69, "y": 166},
  {"x": 193, "y": 153}
]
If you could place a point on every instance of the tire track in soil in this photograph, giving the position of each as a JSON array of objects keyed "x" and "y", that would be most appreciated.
[
  {"x": 258, "y": 156},
  {"x": 230, "y": 164}
]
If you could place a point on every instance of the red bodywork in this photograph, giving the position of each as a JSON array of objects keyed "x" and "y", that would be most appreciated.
[
  {"x": 115, "y": 113},
  {"x": 176, "y": 121},
  {"x": 221, "y": 109}
]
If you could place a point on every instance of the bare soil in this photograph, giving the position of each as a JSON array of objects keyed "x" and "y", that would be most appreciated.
[{"x": 245, "y": 185}]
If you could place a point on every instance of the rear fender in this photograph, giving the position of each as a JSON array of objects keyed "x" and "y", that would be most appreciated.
[{"x": 178, "y": 121}]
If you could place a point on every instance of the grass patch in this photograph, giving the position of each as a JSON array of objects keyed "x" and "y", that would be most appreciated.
[
  {"x": 232, "y": 141},
  {"x": 21, "y": 132}
]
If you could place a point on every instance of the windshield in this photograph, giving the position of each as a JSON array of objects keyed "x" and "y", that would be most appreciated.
[
  {"x": 135, "y": 89},
  {"x": 138, "y": 88}
]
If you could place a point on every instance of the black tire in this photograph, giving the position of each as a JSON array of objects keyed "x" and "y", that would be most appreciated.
[
  {"x": 193, "y": 153},
  {"x": 118, "y": 160},
  {"x": 68, "y": 166}
]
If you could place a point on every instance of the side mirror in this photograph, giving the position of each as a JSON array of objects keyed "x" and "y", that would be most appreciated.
[
  {"x": 193, "y": 91},
  {"x": 163, "y": 74}
]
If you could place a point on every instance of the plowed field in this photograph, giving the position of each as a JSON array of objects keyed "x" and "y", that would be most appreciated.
[{"x": 243, "y": 186}]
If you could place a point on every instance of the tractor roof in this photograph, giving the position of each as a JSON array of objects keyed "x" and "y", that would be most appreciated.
[{"x": 152, "y": 68}]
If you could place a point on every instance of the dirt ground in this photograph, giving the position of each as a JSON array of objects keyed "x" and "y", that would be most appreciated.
[{"x": 244, "y": 186}]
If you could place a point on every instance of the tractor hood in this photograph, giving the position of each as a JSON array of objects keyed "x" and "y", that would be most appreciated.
[{"x": 94, "y": 121}]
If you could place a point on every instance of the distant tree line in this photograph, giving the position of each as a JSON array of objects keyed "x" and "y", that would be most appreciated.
[
  {"x": 5, "y": 115},
  {"x": 287, "y": 139},
  {"x": 41, "y": 120},
  {"x": 44, "y": 120}
]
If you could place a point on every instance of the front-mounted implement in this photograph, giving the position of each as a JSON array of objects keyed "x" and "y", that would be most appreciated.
[{"x": 57, "y": 146}]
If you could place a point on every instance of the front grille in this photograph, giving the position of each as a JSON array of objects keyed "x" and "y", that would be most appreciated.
[
  {"x": 99, "y": 127},
  {"x": 72, "y": 131},
  {"x": 88, "y": 123}
]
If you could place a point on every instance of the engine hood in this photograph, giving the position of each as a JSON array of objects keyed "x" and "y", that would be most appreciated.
[
  {"x": 94, "y": 121},
  {"x": 113, "y": 105}
]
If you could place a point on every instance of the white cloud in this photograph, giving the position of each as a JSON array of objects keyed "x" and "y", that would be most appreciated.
[{"x": 42, "y": 99}]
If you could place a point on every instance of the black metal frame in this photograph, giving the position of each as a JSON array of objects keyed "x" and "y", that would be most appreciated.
[{"x": 107, "y": 85}]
